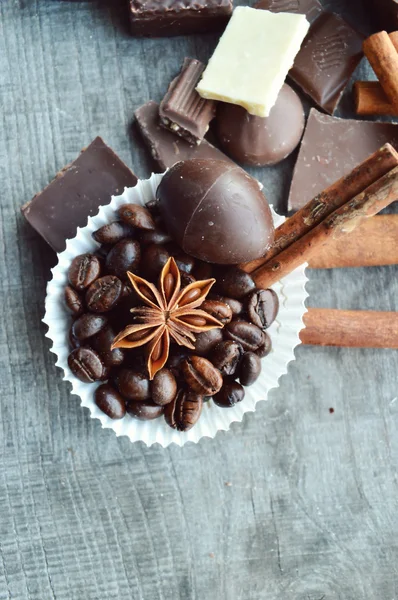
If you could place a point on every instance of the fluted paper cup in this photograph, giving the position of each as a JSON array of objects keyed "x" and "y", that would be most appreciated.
[{"x": 284, "y": 333}]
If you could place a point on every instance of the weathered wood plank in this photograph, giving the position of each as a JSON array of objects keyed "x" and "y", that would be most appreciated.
[{"x": 293, "y": 503}]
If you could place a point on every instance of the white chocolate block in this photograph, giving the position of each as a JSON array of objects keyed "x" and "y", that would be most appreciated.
[{"x": 252, "y": 59}]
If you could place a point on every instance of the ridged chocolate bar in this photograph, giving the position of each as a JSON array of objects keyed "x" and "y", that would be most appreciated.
[
  {"x": 165, "y": 147},
  {"x": 157, "y": 18},
  {"x": 182, "y": 110},
  {"x": 310, "y": 8}
]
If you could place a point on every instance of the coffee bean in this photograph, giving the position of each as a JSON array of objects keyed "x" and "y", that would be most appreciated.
[
  {"x": 262, "y": 307},
  {"x": 265, "y": 347},
  {"x": 176, "y": 358},
  {"x": 110, "y": 401},
  {"x": 203, "y": 270},
  {"x": 102, "y": 343},
  {"x": 164, "y": 387},
  {"x": 184, "y": 262},
  {"x": 88, "y": 325},
  {"x": 144, "y": 411},
  {"x": 104, "y": 294},
  {"x": 235, "y": 283},
  {"x": 73, "y": 301},
  {"x": 235, "y": 305},
  {"x": 112, "y": 233},
  {"x": 226, "y": 357},
  {"x": 248, "y": 335},
  {"x": 157, "y": 236},
  {"x": 219, "y": 310},
  {"x": 184, "y": 411},
  {"x": 250, "y": 368},
  {"x": 136, "y": 216},
  {"x": 230, "y": 394},
  {"x": 124, "y": 256},
  {"x": 186, "y": 279},
  {"x": 133, "y": 385},
  {"x": 207, "y": 340},
  {"x": 86, "y": 365},
  {"x": 153, "y": 260},
  {"x": 83, "y": 271},
  {"x": 201, "y": 376}
]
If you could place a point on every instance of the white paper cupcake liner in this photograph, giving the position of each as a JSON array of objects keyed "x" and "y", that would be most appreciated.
[{"x": 284, "y": 333}]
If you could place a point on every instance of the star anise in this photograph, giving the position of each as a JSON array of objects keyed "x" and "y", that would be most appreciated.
[{"x": 170, "y": 312}]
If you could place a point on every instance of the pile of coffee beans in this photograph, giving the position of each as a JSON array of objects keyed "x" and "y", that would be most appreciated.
[{"x": 100, "y": 297}]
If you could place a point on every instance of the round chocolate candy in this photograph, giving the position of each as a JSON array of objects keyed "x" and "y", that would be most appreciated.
[
  {"x": 261, "y": 141},
  {"x": 215, "y": 211}
]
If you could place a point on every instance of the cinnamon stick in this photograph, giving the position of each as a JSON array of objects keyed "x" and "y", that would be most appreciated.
[
  {"x": 374, "y": 167},
  {"x": 343, "y": 220},
  {"x": 350, "y": 328},
  {"x": 383, "y": 57},
  {"x": 373, "y": 244},
  {"x": 370, "y": 99}
]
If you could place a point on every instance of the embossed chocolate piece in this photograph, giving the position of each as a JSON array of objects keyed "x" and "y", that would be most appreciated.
[
  {"x": 155, "y": 18},
  {"x": 328, "y": 57},
  {"x": 310, "y": 8}
]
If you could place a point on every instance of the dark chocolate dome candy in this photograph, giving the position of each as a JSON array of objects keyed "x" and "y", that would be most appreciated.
[
  {"x": 261, "y": 141},
  {"x": 215, "y": 211}
]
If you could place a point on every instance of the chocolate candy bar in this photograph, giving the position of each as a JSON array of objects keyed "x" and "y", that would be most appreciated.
[
  {"x": 155, "y": 18},
  {"x": 310, "y": 8},
  {"x": 77, "y": 192},
  {"x": 182, "y": 110},
  {"x": 252, "y": 58},
  {"x": 329, "y": 55},
  {"x": 330, "y": 149},
  {"x": 165, "y": 147}
]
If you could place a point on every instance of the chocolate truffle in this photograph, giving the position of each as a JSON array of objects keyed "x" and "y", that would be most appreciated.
[
  {"x": 215, "y": 211},
  {"x": 261, "y": 141}
]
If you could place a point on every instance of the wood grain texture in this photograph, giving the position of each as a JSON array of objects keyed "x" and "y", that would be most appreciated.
[
  {"x": 295, "y": 503},
  {"x": 374, "y": 243},
  {"x": 350, "y": 328}
]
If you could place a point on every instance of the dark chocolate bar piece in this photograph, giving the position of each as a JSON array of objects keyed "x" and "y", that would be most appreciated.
[
  {"x": 165, "y": 147},
  {"x": 77, "y": 192},
  {"x": 310, "y": 8},
  {"x": 331, "y": 148},
  {"x": 156, "y": 18},
  {"x": 328, "y": 57},
  {"x": 384, "y": 14},
  {"x": 182, "y": 110}
]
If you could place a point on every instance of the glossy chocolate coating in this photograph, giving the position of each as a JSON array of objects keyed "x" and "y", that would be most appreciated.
[
  {"x": 182, "y": 110},
  {"x": 215, "y": 211},
  {"x": 259, "y": 141},
  {"x": 178, "y": 17}
]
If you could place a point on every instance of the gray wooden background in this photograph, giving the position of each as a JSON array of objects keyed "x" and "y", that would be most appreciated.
[{"x": 296, "y": 503}]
